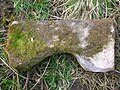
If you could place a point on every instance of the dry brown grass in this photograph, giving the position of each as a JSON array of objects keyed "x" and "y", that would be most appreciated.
[{"x": 46, "y": 76}]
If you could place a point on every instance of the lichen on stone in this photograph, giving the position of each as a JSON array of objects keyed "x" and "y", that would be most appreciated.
[
  {"x": 98, "y": 37},
  {"x": 30, "y": 42}
]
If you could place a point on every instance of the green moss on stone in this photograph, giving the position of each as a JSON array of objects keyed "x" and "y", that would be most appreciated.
[{"x": 24, "y": 44}]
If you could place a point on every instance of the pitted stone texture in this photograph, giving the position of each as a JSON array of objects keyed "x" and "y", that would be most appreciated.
[{"x": 90, "y": 41}]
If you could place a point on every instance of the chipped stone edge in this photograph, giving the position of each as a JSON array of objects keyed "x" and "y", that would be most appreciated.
[{"x": 102, "y": 61}]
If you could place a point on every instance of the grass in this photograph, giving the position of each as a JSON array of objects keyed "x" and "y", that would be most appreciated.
[
  {"x": 58, "y": 73},
  {"x": 6, "y": 84},
  {"x": 61, "y": 71},
  {"x": 36, "y": 9}
]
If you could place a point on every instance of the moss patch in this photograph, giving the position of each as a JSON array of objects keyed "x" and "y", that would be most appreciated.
[{"x": 24, "y": 44}]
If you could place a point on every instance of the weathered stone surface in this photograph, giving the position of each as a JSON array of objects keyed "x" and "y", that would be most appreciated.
[{"x": 90, "y": 41}]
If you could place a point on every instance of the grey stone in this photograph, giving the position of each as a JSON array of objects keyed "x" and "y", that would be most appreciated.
[{"x": 90, "y": 41}]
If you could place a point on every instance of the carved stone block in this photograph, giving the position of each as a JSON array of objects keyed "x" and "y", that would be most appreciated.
[{"x": 90, "y": 41}]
